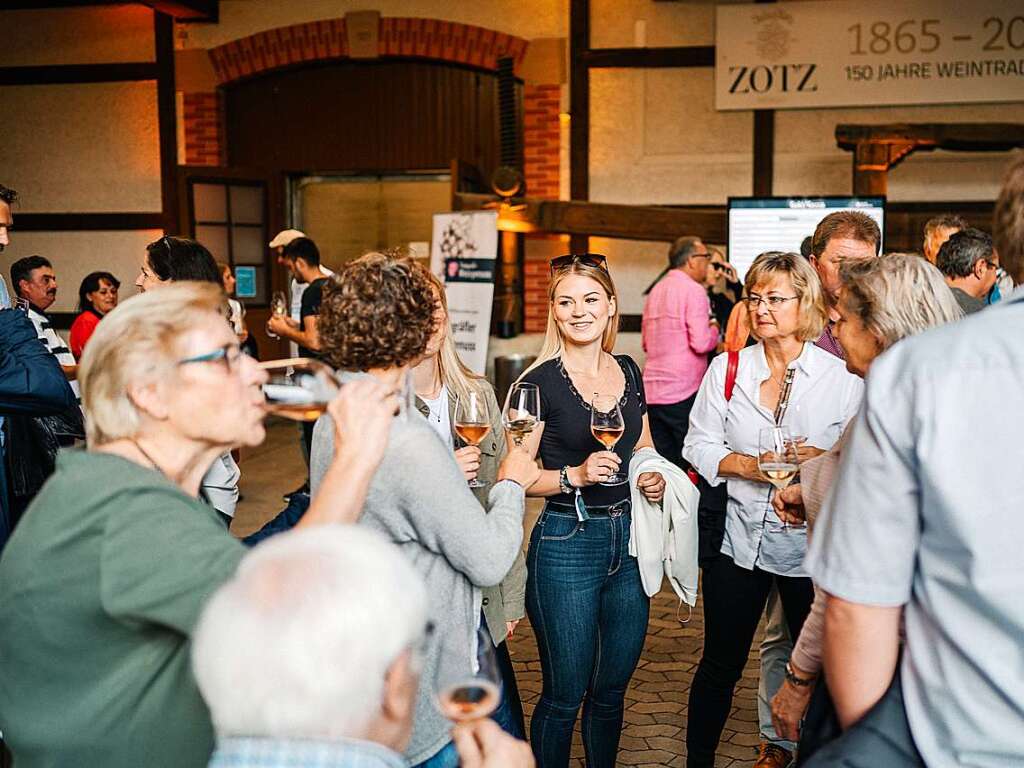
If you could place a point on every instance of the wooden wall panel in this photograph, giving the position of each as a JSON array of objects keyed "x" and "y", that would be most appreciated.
[{"x": 364, "y": 116}]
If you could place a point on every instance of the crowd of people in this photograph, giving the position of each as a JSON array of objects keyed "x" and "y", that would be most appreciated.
[{"x": 857, "y": 495}]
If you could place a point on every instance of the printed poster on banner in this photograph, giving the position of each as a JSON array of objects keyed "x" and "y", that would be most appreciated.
[
  {"x": 463, "y": 251},
  {"x": 841, "y": 53}
]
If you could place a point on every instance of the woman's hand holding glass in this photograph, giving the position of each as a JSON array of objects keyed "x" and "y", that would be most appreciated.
[
  {"x": 789, "y": 505},
  {"x": 468, "y": 459},
  {"x": 598, "y": 467},
  {"x": 519, "y": 466}
]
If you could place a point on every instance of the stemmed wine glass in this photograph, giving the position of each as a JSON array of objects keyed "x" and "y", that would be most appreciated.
[
  {"x": 468, "y": 688},
  {"x": 298, "y": 388},
  {"x": 472, "y": 422},
  {"x": 777, "y": 457},
  {"x": 522, "y": 410},
  {"x": 278, "y": 308},
  {"x": 607, "y": 427}
]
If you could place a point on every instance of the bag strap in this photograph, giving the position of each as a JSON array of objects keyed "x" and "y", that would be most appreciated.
[{"x": 731, "y": 369}]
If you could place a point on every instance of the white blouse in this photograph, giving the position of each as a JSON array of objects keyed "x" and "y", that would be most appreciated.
[{"x": 823, "y": 398}]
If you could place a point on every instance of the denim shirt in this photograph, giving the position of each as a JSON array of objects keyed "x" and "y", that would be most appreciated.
[
  {"x": 252, "y": 752},
  {"x": 823, "y": 399}
]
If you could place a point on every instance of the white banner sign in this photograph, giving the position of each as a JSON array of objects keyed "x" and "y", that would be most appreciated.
[
  {"x": 794, "y": 55},
  {"x": 463, "y": 250}
]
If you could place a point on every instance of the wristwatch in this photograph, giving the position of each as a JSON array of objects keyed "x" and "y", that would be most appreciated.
[
  {"x": 791, "y": 676},
  {"x": 563, "y": 480}
]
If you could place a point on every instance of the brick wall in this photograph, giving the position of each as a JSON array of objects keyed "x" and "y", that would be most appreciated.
[
  {"x": 204, "y": 141},
  {"x": 541, "y": 150},
  {"x": 536, "y": 278},
  {"x": 398, "y": 36},
  {"x": 541, "y": 130}
]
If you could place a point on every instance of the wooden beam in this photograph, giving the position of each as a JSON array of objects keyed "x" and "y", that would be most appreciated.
[
  {"x": 86, "y": 222},
  {"x": 579, "y": 109},
  {"x": 967, "y": 137},
  {"x": 163, "y": 31},
  {"x": 627, "y": 222},
  {"x": 58, "y": 74},
  {"x": 904, "y": 222},
  {"x": 650, "y": 58},
  {"x": 764, "y": 151},
  {"x": 187, "y": 10}
]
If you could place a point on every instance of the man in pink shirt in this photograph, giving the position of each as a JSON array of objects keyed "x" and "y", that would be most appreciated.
[{"x": 678, "y": 333}]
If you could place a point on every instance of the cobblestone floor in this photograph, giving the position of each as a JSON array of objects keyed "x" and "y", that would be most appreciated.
[
  {"x": 654, "y": 733},
  {"x": 655, "y": 720}
]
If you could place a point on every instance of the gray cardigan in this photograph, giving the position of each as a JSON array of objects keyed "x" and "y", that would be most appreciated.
[
  {"x": 419, "y": 499},
  {"x": 506, "y": 601}
]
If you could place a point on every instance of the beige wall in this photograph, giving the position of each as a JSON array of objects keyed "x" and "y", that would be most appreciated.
[
  {"x": 96, "y": 35},
  {"x": 83, "y": 148},
  {"x": 76, "y": 254}
]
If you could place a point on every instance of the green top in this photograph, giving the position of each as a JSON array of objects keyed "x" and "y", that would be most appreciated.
[{"x": 101, "y": 586}]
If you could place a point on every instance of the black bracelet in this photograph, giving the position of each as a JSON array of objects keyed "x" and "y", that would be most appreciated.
[{"x": 802, "y": 682}]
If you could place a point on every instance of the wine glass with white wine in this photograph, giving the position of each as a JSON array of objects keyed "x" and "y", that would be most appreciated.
[
  {"x": 278, "y": 308},
  {"x": 522, "y": 411},
  {"x": 607, "y": 427},
  {"x": 467, "y": 684},
  {"x": 472, "y": 422},
  {"x": 777, "y": 457},
  {"x": 299, "y": 388}
]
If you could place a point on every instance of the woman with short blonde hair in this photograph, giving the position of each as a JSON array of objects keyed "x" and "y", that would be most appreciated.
[
  {"x": 122, "y": 553},
  {"x": 783, "y": 380}
]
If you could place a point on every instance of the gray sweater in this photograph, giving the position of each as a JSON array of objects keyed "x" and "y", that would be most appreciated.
[{"x": 420, "y": 500}]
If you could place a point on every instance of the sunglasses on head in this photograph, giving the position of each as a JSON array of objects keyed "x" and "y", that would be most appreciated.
[{"x": 596, "y": 260}]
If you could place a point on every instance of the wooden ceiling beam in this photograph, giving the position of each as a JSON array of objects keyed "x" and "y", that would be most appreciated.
[{"x": 581, "y": 219}]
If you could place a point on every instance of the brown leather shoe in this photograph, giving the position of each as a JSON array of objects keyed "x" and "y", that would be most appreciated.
[{"x": 772, "y": 756}]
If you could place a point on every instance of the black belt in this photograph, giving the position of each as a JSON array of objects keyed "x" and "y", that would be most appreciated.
[{"x": 605, "y": 510}]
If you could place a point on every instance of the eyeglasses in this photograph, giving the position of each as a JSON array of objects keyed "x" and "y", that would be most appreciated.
[
  {"x": 773, "y": 302},
  {"x": 717, "y": 265},
  {"x": 229, "y": 354},
  {"x": 596, "y": 260}
]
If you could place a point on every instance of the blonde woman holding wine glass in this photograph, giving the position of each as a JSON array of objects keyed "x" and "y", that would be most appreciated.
[
  {"x": 584, "y": 596},
  {"x": 786, "y": 382},
  {"x": 459, "y": 405}
]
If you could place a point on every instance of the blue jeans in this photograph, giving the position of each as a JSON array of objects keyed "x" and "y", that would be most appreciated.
[{"x": 589, "y": 611}]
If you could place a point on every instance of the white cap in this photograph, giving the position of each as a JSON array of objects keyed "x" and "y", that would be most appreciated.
[{"x": 285, "y": 236}]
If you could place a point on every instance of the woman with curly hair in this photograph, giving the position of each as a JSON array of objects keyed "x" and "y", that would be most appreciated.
[{"x": 376, "y": 319}]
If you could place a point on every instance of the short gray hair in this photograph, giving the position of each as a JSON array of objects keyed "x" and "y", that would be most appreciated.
[
  {"x": 897, "y": 295},
  {"x": 963, "y": 249},
  {"x": 136, "y": 344},
  {"x": 680, "y": 251},
  {"x": 298, "y": 643}
]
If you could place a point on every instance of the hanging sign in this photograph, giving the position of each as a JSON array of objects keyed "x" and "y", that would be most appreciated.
[
  {"x": 463, "y": 251},
  {"x": 841, "y": 53}
]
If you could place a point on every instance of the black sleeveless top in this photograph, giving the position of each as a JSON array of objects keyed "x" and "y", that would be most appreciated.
[{"x": 567, "y": 439}]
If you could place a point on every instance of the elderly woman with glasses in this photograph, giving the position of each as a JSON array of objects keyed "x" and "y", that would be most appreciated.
[
  {"x": 102, "y": 584},
  {"x": 784, "y": 380},
  {"x": 584, "y": 595},
  {"x": 882, "y": 301}
]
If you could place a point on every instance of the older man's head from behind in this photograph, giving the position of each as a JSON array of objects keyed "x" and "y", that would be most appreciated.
[{"x": 315, "y": 637}]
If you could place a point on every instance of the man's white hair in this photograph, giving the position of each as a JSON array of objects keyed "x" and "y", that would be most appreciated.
[{"x": 297, "y": 644}]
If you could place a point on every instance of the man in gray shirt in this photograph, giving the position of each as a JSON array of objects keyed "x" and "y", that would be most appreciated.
[
  {"x": 927, "y": 522},
  {"x": 970, "y": 267}
]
